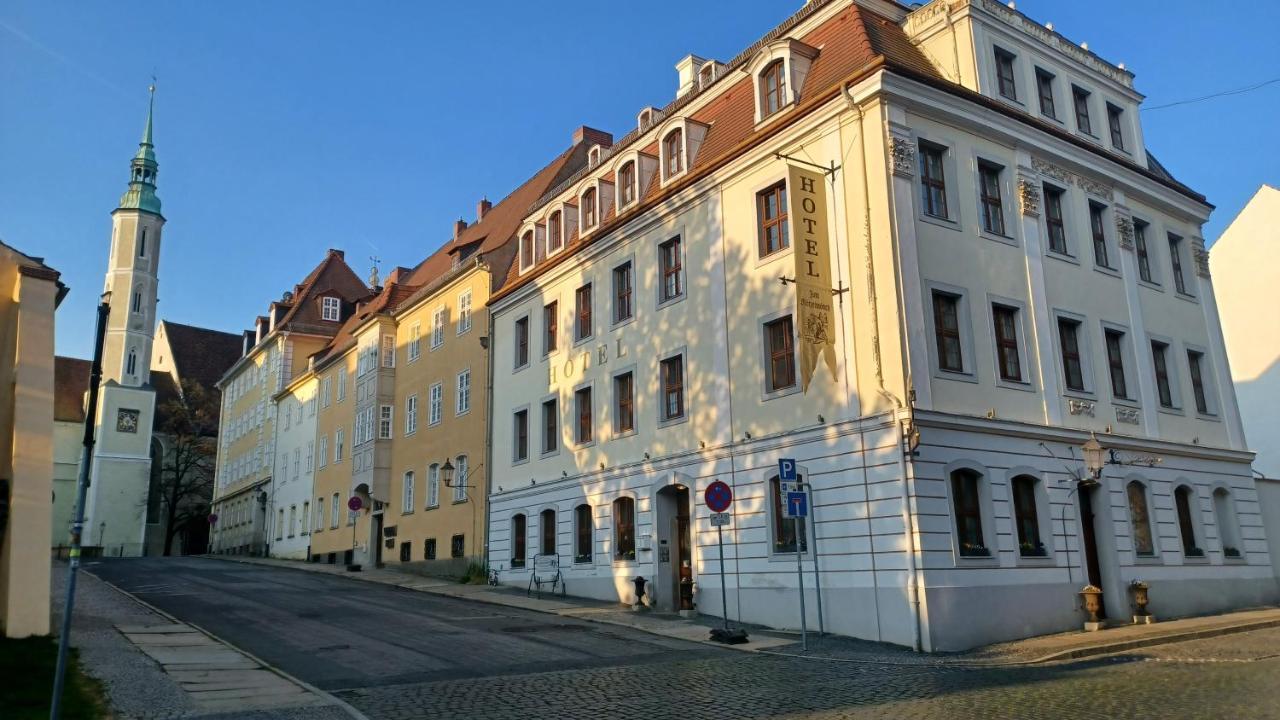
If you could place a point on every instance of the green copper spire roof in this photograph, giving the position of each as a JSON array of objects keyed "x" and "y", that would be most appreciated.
[{"x": 141, "y": 194}]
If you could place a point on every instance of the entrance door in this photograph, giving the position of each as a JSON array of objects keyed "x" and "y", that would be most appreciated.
[
  {"x": 674, "y": 571},
  {"x": 1090, "y": 542},
  {"x": 377, "y": 540}
]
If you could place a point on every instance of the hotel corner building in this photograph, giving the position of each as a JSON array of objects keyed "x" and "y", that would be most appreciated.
[{"x": 982, "y": 268}]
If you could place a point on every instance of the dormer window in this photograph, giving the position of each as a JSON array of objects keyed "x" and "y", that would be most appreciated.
[
  {"x": 627, "y": 183},
  {"x": 645, "y": 119},
  {"x": 673, "y": 152},
  {"x": 526, "y": 250},
  {"x": 773, "y": 88},
  {"x": 330, "y": 309},
  {"x": 555, "y": 237},
  {"x": 588, "y": 205},
  {"x": 593, "y": 156},
  {"x": 707, "y": 74}
]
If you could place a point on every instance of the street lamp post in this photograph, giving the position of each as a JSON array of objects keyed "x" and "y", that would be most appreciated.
[{"x": 446, "y": 474}]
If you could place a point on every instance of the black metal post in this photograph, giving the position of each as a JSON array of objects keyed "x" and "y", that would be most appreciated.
[{"x": 77, "y": 524}]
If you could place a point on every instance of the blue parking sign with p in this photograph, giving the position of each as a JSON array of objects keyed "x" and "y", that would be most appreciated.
[{"x": 787, "y": 470}]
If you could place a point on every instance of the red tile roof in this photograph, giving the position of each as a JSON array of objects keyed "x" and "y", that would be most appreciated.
[{"x": 200, "y": 354}]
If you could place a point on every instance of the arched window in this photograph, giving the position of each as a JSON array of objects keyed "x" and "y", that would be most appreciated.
[
  {"x": 1183, "y": 497},
  {"x": 517, "y": 541},
  {"x": 589, "y": 208},
  {"x": 773, "y": 88},
  {"x": 554, "y": 228},
  {"x": 142, "y": 244},
  {"x": 967, "y": 504},
  {"x": 1228, "y": 530},
  {"x": 785, "y": 529},
  {"x": 624, "y": 529},
  {"x": 674, "y": 149},
  {"x": 137, "y": 301},
  {"x": 593, "y": 157},
  {"x": 645, "y": 119},
  {"x": 131, "y": 364},
  {"x": 583, "y": 534},
  {"x": 547, "y": 532},
  {"x": 526, "y": 250},
  {"x": 1027, "y": 516},
  {"x": 406, "y": 505},
  {"x": 1140, "y": 518},
  {"x": 627, "y": 183}
]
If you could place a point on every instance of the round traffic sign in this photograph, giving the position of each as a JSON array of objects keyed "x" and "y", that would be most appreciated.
[
  {"x": 354, "y": 504},
  {"x": 718, "y": 496},
  {"x": 213, "y": 518}
]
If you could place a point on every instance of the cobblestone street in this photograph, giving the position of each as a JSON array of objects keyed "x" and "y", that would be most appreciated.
[{"x": 392, "y": 654}]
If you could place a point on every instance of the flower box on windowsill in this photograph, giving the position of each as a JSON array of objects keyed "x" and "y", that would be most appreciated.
[
  {"x": 974, "y": 551},
  {"x": 1232, "y": 552},
  {"x": 1033, "y": 551},
  {"x": 1195, "y": 553}
]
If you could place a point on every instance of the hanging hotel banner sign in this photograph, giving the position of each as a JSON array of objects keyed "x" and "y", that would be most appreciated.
[{"x": 815, "y": 311}]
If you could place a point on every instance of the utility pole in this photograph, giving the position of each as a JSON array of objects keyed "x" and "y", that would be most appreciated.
[{"x": 82, "y": 488}]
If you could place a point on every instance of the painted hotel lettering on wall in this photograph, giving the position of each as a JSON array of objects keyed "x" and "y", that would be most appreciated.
[{"x": 814, "y": 307}]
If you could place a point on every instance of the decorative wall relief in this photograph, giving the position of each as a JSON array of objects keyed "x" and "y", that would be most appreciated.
[
  {"x": 1127, "y": 415},
  {"x": 1200, "y": 256},
  {"x": 903, "y": 152},
  {"x": 1124, "y": 229},
  {"x": 1080, "y": 407},
  {"x": 1029, "y": 197},
  {"x": 1066, "y": 177}
]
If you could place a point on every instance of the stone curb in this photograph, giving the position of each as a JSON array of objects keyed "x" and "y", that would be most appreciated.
[
  {"x": 1072, "y": 654},
  {"x": 327, "y": 697}
]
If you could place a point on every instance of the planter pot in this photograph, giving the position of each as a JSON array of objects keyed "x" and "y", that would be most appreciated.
[
  {"x": 1142, "y": 616},
  {"x": 1091, "y": 599}
]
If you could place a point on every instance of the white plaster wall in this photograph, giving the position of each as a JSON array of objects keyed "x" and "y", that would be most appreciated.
[{"x": 290, "y": 488}]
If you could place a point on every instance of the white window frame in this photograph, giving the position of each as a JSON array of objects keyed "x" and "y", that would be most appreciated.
[
  {"x": 411, "y": 415},
  {"x": 386, "y": 413},
  {"x": 435, "y": 404},
  {"x": 406, "y": 493},
  {"x": 464, "y": 312},
  {"x": 342, "y": 383},
  {"x": 462, "y": 394},
  {"x": 437, "y": 327},
  {"x": 415, "y": 341},
  {"x": 330, "y": 308},
  {"x": 324, "y": 450},
  {"x": 461, "y": 477},
  {"x": 433, "y": 486},
  {"x": 339, "y": 441}
]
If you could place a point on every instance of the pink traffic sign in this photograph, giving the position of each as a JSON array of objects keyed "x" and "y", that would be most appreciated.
[
  {"x": 718, "y": 496},
  {"x": 354, "y": 504}
]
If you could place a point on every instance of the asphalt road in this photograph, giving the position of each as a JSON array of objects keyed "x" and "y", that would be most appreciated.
[{"x": 395, "y": 654}]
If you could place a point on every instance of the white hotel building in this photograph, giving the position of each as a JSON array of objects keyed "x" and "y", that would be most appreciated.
[{"x": 1012, "y": 273}]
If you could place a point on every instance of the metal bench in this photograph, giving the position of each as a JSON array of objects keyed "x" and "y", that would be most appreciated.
[{"x": 546, "y": 571}]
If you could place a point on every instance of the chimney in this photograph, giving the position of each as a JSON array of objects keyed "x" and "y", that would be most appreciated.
[
  {"x": 341, "y": 255},
  {"x": 688, "y": 69},
  {"x": 458, "y": 226},
  {"x": 483, "y": 208}
]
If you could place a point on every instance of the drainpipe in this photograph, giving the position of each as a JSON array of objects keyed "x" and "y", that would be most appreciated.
[
  {"x": 913, "y": 575},
  {"x": 487, "y": 346}
]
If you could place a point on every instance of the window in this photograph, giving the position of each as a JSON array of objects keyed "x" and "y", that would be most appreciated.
[
  {"x": 526, "y": 250},
  {"x": 522, "y": 342},
  {"x": 674, "y": 147},
  {"x": 624, "y": 529},
  {"x": 627, "y": 184},
  {"x": 1080, "y": 97},
  {"x": 460, "y": 479},
  {"x": 435, "y": 404},
  {"x": 1028, "y": 520},
  {"x": 437, "y": 328},
  {"x": 1053, "y": 220},
  {"x": 785, "y": 529},
  {"x": 1113, "y": 123},
  {"x": 1160, "y": 358},
  {"x": 320, "y": 507},
  {"x": 280, "y": 525},
  {"x": 1098, "y": 229},
  {"x": 555, "y": 232},
  {"x": 384, "y": 422},
  {"x": 324, "y": 450},
  {"x": 624, "y": 401},
  {"x": 411, "y": 415},
  {"x": 622, "y": 293},
  {"x": 142, "y": 244},
  {"x": 1115, "y": 363},
  {"x": 582, "y": 408},
  {"x": 1044, "y": 87},
  {"x": 297, "y": 463},
  {"x": 1228, "y": 530},
  {"x": 550, "y": 426},
  {"x": 1069, "y": 339},
  {"x": 406, "y": 496},
  {"x": 589, "y": 208},
  {"x": 131, "y": 364},
  {"x": 342, "y": 384},
  {"x": 1004, "y": 74},
  {"x": 326, "y": 394},
  {"x": 330, "y": 309},
  {"x": 457, "y": 546},
  {"x": 137, "y": 301},
  {"x": 338, "y": 440},
  {"x": 547, "y": 527},
  {"x": 521, "y": 449},
  {"x": 464, "y": 312},
  {"x": 1140, "y": 246},
  {"x": 780, "y": 372},
  {"x": 550, "y": 326},
  {"x": 333, "y": 519},
  {"x": 992, "y": 207},
  {"x": 966, "y": 502},
  {"x": 433, "y": 485},
  {"x": 406, "y": 551},
  {"x": 462, "y": 400},
  {"x": 933, "y": 182},
  {"x": 1005, "y": 319},
  {"x": 517, "y": 540},
  {"x": 1140, "y": 518},
  {"x": 429, "y": 549},
  {"x": 771, "y": 215},
  {"x": 773, "y": 88},
  {"x": 946, "y": 328},
  {"x": 583, "y": 534},
  {"x": 1175, "y": 259},
  {"x": 672, "y": 268},
  {"x": 1194, "y": 362},
  {"x": 293, "y": 520},
  {"x": 1182, "y": 499},
  {"x": 415, "y": 342},
  {"x": 582, "y": 313},
  {"x": 673, "y": 388}
]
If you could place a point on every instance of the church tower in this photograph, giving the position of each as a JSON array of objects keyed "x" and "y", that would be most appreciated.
[{"x": 116, "y": 511}]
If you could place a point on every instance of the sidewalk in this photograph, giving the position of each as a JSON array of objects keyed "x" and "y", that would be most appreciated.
[{"x": 1043, "y": 649}]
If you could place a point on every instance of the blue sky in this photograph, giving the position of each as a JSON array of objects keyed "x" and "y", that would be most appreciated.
[{"x": 288, "y": 127}]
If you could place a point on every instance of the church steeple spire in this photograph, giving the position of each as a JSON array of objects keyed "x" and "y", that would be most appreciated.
[{"x": 141, "y": 194}]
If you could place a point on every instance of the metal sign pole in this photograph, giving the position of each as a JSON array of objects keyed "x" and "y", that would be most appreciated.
[
  {"x": 804, "y": 627},
  {"x": 817, "y": 576},
  {"x": 724, "y": 592}
]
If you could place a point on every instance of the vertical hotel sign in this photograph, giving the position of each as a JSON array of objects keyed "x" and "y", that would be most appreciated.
[{"x": 815, "y": 311}]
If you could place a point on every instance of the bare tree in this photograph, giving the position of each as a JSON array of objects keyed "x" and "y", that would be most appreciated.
[{"x": 190, "y": 431}]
